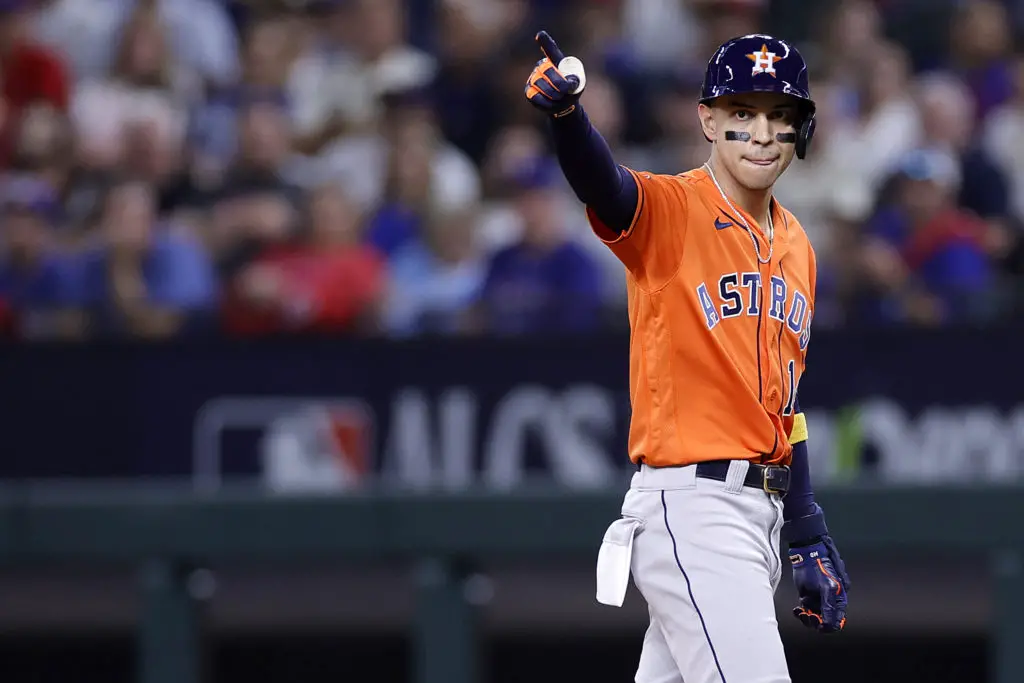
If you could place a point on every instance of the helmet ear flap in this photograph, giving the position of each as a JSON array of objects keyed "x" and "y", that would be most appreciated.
[{"x": 804, "y": 135}]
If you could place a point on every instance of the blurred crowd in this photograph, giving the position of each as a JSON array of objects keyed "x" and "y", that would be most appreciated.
[{"x": 371, "y": 167}]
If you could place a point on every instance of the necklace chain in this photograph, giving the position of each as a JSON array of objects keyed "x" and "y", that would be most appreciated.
[{"x": 753, "y": 238}]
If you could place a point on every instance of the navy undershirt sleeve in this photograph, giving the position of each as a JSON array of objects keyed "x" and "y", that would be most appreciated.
[
  {"x": 799, "y": 501},
  {"x": 607, "y": 188}
]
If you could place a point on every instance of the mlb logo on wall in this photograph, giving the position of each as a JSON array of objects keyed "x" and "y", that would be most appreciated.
[{"x": 305, "y": 444}]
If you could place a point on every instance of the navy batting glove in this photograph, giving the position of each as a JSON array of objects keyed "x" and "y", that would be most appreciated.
[
  {"x": 822, "y": 584},
  {"x": 548, "y": 88}
]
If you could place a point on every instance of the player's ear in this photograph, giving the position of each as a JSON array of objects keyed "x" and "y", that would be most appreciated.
[{"x": 707, "y": 121}]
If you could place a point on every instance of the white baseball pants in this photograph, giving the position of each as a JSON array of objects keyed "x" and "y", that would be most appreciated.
[{"x": 705, "y": 556}]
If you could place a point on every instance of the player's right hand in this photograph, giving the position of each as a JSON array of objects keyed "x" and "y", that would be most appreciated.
[{"x": 557, "y": 81}]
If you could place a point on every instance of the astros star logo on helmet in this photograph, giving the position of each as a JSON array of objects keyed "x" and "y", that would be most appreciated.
[{"x": 764, "y": 61}]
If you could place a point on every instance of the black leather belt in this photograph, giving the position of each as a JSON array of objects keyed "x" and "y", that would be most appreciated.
[{"x": 770, "y": 478}]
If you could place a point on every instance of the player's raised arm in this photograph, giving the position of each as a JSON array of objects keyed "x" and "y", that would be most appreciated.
[{"x": 609, "y": 190}]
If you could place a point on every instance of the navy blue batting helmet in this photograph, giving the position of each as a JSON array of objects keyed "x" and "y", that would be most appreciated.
[{"x": 762, "y": 63}]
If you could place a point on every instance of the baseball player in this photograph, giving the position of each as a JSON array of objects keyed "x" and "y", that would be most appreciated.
[{"x": 720, "y": 281}]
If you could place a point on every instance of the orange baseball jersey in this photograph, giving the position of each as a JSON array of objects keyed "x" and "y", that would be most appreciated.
[{"x": 717, "y": 339}]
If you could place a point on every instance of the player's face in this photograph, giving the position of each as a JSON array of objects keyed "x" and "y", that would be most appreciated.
[{"x": 753, "y": 136}]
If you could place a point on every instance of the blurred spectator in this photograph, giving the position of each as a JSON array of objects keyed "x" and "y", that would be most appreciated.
[
  {"x": 38, "y": 284},
  {"x": 265, "y": 158},
  {"x": 925, "y": 260},
  {"x": 249, "y": 216},
  {"x": 264, "y": 143},
  {"x": 325, "y": 280},
  {"x": 923, "y": 28},
  {"x": 947, "y": 113},
  {"x": 435, "y": 278},
  {"x": 398, "y": 172},
  {"x": 358, "y": 51},
  {"x": 134, "y": 114},
  {"x": 509, "y": 149},
  {"x": 42, "y": 137},
  {"x": 29, "y": 72},
  {"x": 1003, "y": 139},
  {"x": 499, "y": 223},
  {"x": 863, "y": 144},
  {"x": 545, "y": 283},
  {"x": 317, "y": 80},
  {"x": 662, "y": 33},
  {"x": 256, "y": 208},
  {"x": 266, "y": 55},
  {"x": 408, "y": 196},
  {"x": 850, "y": 32},
  {"x": 982, "y": 44},
  {"x": 468, "y": 32},
  {"x": 143, "y": 279},
  {"x": 612, "y": 40}
]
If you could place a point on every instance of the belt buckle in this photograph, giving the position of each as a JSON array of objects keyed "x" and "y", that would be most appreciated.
[{"x": 773, "y": 473}]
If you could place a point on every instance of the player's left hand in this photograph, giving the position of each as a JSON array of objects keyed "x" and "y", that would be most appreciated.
[{"x": 822, "y": 583}]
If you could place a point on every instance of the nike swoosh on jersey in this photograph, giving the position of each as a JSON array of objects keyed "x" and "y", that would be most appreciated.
[{"x": 722, "y": 225}]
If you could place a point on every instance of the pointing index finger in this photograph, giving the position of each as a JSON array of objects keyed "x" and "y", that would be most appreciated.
[{"x": 549, "y": 47}]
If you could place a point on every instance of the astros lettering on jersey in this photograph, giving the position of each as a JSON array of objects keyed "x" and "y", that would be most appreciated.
[{"x": 731, "y": 332}]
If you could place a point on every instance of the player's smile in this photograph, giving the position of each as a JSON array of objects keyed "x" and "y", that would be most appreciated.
[{"x": 761, "y": 162}]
